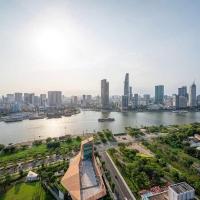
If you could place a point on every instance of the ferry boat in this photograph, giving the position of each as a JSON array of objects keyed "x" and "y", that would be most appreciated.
[{"x": 106, "y": 119}]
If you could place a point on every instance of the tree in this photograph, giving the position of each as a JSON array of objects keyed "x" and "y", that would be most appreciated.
[
  {"x": 2, "y": 147},
  {"x": 48, "y": 139}
]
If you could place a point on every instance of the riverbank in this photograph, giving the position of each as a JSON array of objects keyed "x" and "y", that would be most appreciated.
[{"x": 87, "y": 122}]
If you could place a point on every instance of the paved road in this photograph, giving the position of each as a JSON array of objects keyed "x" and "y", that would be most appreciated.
[{"x": 120, "y": 187}]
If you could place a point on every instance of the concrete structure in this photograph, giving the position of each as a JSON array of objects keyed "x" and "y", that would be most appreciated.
[
  {"x": 105, "y": 94},
  {"x": 83, "y": 179},
  {"x": 193, "y": 96},
  {"x": 54, "y": 98},
  {"x": 181, "y": 191},
  {"x": 159, "y": 94}
]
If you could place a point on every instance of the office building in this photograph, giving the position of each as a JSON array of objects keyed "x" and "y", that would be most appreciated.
[
  {"x": 83, "y": 179},
  {"x": 18, "y": 97},
  {"x": 55, "y": 98},
  {"x": 159, "y": 94},
  {"x": 104, "y": 94},
  {"x": 192, "y": 96}
]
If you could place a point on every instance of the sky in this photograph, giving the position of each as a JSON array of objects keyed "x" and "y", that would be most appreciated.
[{"x": 70, "y": 45}]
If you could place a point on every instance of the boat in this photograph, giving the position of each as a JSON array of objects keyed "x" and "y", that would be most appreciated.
[
  {"x": 180, "y": 111},
  {"x": 36, "y": 117},
  {"x": 106, "y": 119},
  {"x": 13, "y": 119}
]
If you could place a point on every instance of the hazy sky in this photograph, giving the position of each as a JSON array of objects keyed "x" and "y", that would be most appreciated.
[{"x": 72, "y": 45}]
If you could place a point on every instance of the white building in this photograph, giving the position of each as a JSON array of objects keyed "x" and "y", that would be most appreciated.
[{"x": 181, "y": 191}]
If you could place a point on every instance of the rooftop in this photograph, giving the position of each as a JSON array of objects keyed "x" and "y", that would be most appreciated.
[{"x": 181, "y": 187}]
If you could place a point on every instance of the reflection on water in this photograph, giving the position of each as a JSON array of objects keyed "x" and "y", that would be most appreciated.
[{"x": 87, "y": 121}]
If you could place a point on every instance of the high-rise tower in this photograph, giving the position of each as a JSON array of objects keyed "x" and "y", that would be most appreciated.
[
  {"x": 159, "y": 94},
  {"x": 192, "y": 96},
  {"x": 126, "y": 85},
  {"x": 104, "y": 94}
]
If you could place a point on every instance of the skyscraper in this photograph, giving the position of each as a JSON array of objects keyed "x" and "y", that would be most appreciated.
[
  {"x": 183, "y": 91},
  {"x": 182, "y": 97},
  {"x": 125, "y": 97},
  {"x": 192, "y": 96},
  {"x": 54, "y": 98},
  {"x": 159, "y": 94},
  {"x": 131, "y": 93},
  {"x": 126, "y": 85},
  {"x": 104, "y": 94}
]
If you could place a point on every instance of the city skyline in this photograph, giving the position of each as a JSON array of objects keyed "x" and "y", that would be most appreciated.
[{"x": 157, "y": 43}]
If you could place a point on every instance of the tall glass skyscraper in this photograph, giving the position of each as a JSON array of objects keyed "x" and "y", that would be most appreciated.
[
  {"x": 159, "y": 94},
  {"x": 126, "y": 85},
  {"x": 125, "y": 97},
  {"x": 104, "y": 94}
]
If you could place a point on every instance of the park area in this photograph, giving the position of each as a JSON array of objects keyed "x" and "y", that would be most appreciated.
[{"x": 26, "y": 191}]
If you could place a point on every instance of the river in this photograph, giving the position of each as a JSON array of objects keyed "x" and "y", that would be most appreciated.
[{"x": 87, "y": 121}]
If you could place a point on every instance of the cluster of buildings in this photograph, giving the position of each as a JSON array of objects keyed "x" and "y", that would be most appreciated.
[
  {"x": 18, "y": 102},
  {"x": 127, "y": 101},
  {"x": 179, "y": 191},
  {"x": 182, "y": 100}
]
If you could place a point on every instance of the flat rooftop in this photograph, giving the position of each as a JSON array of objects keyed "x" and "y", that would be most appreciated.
[
  {"x": 89, "y": 181},
  {"x": 181, "y": 187}
]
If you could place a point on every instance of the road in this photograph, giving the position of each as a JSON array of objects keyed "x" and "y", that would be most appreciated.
[{"x": 121, "y": 190}]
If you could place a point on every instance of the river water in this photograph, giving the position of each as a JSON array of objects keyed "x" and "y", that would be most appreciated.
[{"x": 87, "y": 121}]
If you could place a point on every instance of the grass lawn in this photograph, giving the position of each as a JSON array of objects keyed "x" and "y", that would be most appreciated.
[{"x": 26, "y": 191}]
